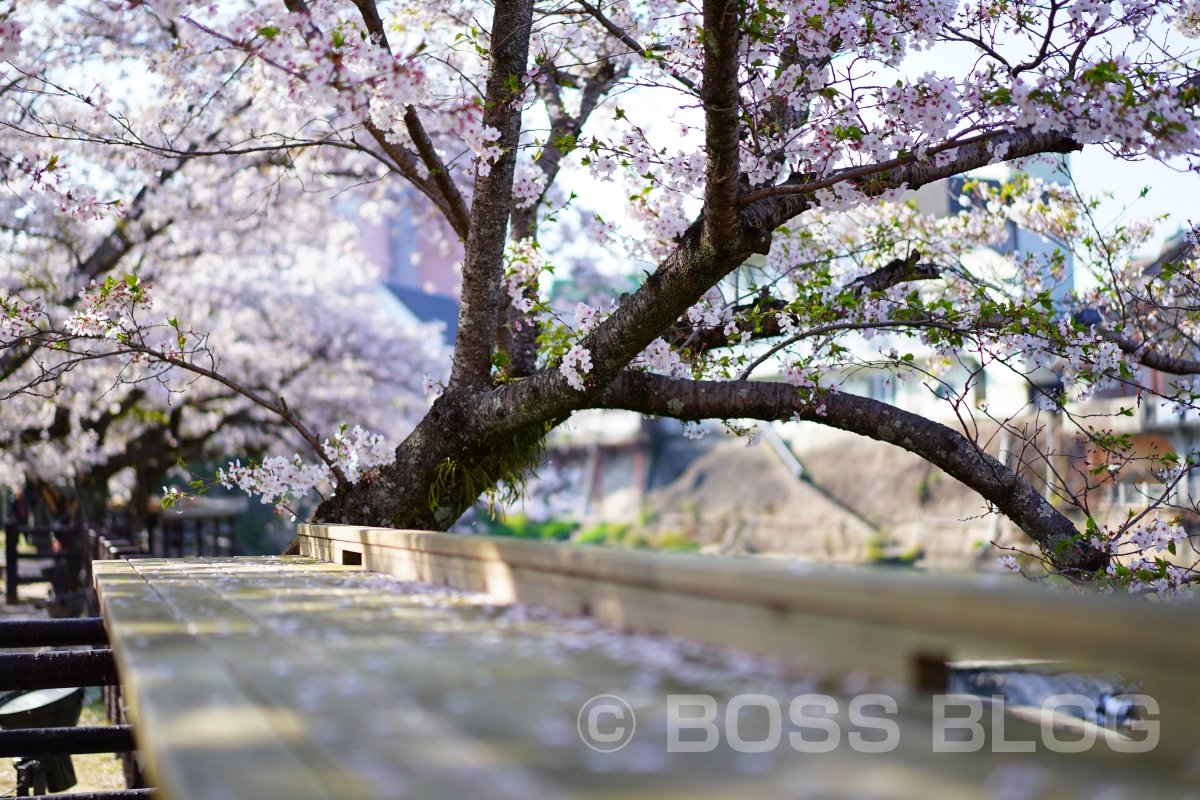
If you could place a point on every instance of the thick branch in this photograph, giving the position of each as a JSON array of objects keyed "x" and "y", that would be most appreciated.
[
  {"x": 945, "y": 448},
  {"x": 894, "y": 273},
  {"x": 374, "y": 23},
  {"x": 722, "y": 124},
  {"x": 769, "y": 208},
  {"x": 456, "y": 206},
  {"x": 483, "y": 263},
  {"x": 1152, "y": 358}
]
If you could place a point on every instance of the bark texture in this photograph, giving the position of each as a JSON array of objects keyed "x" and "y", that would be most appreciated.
[{"x": 483, "y": 263}]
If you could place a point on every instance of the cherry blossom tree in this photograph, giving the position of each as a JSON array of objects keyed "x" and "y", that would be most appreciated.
[
  {"x": 752, "y": 158},
  {"x": 179, "y": 318}
]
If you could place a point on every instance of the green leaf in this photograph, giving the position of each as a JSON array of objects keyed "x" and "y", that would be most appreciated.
[{"x": 849, "y": 132}]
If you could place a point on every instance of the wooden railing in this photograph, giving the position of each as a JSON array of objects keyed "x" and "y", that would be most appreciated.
[
  {"x": 61, "y": 545},
  {"x": 875, "y": 623}
]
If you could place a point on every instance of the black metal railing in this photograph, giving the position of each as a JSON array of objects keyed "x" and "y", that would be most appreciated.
[{"x": 40, "y": 703}]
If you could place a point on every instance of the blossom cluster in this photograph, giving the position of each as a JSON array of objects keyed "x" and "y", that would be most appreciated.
[
  {"x": 525, "y": 264},
  {"x": 528, "y": 185},
  {"x": 660, "y": 357},
  {"x": 279, "y": 481},
  {"x": 587, "y": 317},
  {"x": 1155, "y": 535},
  {"x": 107, "y": 309},
  {"x": 46, "y": 177},
  {"x": 1136, "y": 561},
  {"x": 276, "y": 480},
  {"x": 481, "y": 139},
  {"x": 1168, "y": 581},
  {"x": 18, "y": 319},
  {"x": 575, "y": 365},
  {"x": 359, "y": 452}
]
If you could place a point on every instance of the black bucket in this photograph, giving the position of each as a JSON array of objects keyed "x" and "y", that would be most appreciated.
[{"x": 42, "y": 708}]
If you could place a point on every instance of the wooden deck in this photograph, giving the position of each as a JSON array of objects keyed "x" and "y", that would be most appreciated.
[{"x": 297, "y": 678}]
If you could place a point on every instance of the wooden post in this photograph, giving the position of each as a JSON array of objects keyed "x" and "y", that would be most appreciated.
[{"x": 12, "y": 575}]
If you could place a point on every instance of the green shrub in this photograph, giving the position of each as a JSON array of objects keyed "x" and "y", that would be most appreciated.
[
  {"x": 676, "y": 541},
  {"x": 605, "y": 533},
  {"x": 522, "y": 527}
]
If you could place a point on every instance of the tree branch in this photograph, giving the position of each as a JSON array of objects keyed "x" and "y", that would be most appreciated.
[
  {"x": 945, "y": 448},
  {"x": 483, "y": 263},
  {"x": 760, "y": 319},
  {"x": 456, "y": 206},
  {"x": 280, "y": 409},
  {"x": 793, "y": 196},
  {"x": 894, "y": 273},
  {"x": 1152, "y": 358},
  {"x": 722, "y": 123},
  {"x": 452, "y": 204},
  {"x": 630, "y": 42}
]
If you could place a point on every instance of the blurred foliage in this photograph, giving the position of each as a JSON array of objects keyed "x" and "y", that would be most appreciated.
[
  {"x": 615, "y": 534},
  {"x": 607, "y": 534},
  {"x": 522, "y": 527}
]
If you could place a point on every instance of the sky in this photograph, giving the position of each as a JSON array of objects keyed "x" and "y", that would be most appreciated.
[{"x": 1171, "y": 191}]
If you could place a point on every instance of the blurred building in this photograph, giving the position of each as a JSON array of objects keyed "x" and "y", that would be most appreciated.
[{"x": 420, "y": 262}]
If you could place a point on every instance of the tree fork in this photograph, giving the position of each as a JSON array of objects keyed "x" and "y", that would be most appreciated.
[{"x": 450, "y": 460}]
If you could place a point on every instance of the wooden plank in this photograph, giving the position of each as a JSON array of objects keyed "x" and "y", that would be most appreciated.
[
  {"x": 286, "y": 665},
  {"x": 1074, "y": 626},
  {"x": 202, "y": 736}
]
